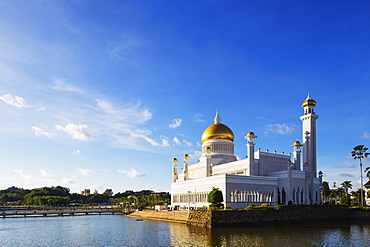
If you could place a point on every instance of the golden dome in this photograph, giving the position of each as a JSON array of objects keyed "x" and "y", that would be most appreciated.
[
  {"x": 296, "y": 144},
  {"x": 250, "y": 134},
  {"x": 217, "y": 131},
  {"x": 308, "y": 101}
]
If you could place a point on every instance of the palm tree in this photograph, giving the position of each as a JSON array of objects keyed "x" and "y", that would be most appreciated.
[
  {"x": 335, "y": 194},
  {"x": 356, "y": 195},
  {"x": 359, "y": 152},
  {"x": 346, "y": 185}
]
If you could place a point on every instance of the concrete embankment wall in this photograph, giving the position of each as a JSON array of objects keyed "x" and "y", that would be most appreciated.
[
  {"x": 253, "y": 218},
  {"x": 178, "y": 216}
]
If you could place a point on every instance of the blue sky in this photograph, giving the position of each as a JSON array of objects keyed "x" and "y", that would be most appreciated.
[{"x": 103, "y": 94}]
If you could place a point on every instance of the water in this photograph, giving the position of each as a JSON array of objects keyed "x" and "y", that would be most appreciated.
[{"x": 118, "y": 230}]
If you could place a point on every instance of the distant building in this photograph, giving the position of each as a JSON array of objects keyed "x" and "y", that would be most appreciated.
[
  {"x": 263, "y": 177},
  {"x": 85, "y": 192}
]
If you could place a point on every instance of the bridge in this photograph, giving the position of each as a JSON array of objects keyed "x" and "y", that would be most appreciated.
[{"x": 16, "y": 212}]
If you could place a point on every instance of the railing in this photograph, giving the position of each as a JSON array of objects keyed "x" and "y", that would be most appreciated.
[{"x": 60, "y": 211}]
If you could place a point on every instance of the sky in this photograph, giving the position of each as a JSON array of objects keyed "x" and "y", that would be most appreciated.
[{"x": 103, "y": 94}]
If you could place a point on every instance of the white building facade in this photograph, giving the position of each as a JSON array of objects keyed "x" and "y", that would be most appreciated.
[{"x": 263, "y": 177}]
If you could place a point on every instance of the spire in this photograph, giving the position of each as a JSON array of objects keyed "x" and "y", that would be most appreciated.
[
  {"x": 217, "y": 117},
  {"x": 308, "y": 97}
]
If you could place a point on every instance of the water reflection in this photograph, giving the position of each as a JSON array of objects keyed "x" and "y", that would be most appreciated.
[
  {"x": 117, "y": 230},
  {"x": 306, "y": 235}
]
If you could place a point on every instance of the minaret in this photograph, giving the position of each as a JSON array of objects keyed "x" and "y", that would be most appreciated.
[
  {"x": 309, "y": 134},
  {"x": 250, "y": 153},
  {"x": 297, "y": 155}
]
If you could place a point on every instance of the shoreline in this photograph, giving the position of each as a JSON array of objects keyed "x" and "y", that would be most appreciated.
[{"x": 258, "y": 218}]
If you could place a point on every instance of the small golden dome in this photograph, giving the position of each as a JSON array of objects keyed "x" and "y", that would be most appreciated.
[
  {"x": 217, "y": 131},
  {"x": 296, "y": 143},
  {"x": 250, "y": 134},
  {"x": 308, "y": 101}
]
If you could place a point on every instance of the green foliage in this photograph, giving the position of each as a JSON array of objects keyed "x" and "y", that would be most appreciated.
[
  {"x": 108, "y": 192},
  {"x": 215, "y": 196},
  {"x": 50, "y": 195},
  {"x": 48, "y": 200},
  {"x": 345, "y": 200},
  {"x": 346, "y": 185},
  {"x": 359, "y": 152},
  {"x": 325, "y": 191}
]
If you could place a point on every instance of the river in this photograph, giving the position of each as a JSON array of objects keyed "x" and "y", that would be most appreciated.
[{"x": 119, "y": 230}]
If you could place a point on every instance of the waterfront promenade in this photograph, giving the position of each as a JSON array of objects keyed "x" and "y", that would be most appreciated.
[{"x": 16, "y": 212}]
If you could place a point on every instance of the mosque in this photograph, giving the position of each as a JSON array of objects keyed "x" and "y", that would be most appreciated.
[{"x": 263, "y": 177}]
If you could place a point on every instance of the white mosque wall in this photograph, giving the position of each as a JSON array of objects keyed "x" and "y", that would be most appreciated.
[
  {"x": 195, "y": 187},
  {"x": 270, "y": 162},
  {"x": 237, "y": 167}
]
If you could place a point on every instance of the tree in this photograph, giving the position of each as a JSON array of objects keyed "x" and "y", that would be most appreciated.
[
  {"x": 346, "y": 186},
  {"x": 345, "y": 200},
  {"x": 215, "y": 197},
  {"x": 108, "y": 192},
  {"x": 325, "y": 191},
  {"x": 356, "y": 195},
  {"x": 336, "y": 194},
  {"x": 359, "y": 152}
]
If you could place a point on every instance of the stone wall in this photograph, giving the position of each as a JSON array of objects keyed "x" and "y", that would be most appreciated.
[
  {"x": 307, "y": 214},
  {"x": 256, "y": 218},
  {"x": 200, "y": 218}
]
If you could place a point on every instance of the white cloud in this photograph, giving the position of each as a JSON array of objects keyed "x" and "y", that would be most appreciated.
[
  {"x": 196, "y": 154},
  {"x": 84, "y": 172},
  {"x": 43, "y": 108},
  {"x": 348, "y": 175},
  {"x": 189, "y": 144},
  {"x": 20, "y": 172},
  {"x": 75, "y": 131},
  {"x": 175, "y": 123},
  {"x": 129, "y": 113},
  {"x": 152, "y": 142},
  {"x": 75, "y": 152},
  {"x": 44, "y": 173},
  {"x": 39, "y": 132},
  {"x": 60, "y": 84},
  {"x": 281, "y": 129},
  {"x": 198, "y": 118},
  {"x": 366, "y": 135},
  {"x": 66, "y": 180},
  {"x": 16, "y": 101},
  {"x": 176, "y": 141},
  {"x": 346, "y": 165},
  {"x": 124, "y": 47},
  {"x": 132, "y": 173}
]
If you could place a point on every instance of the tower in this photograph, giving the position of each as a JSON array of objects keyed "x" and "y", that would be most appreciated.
[
  {"x": 309, "y": 134},
  {"x": 250, "y": 154}
]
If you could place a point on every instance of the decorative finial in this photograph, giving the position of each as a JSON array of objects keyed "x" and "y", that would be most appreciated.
[
  {"x": 217, "y": 117},
  {"x": 308, "y": 96}
]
